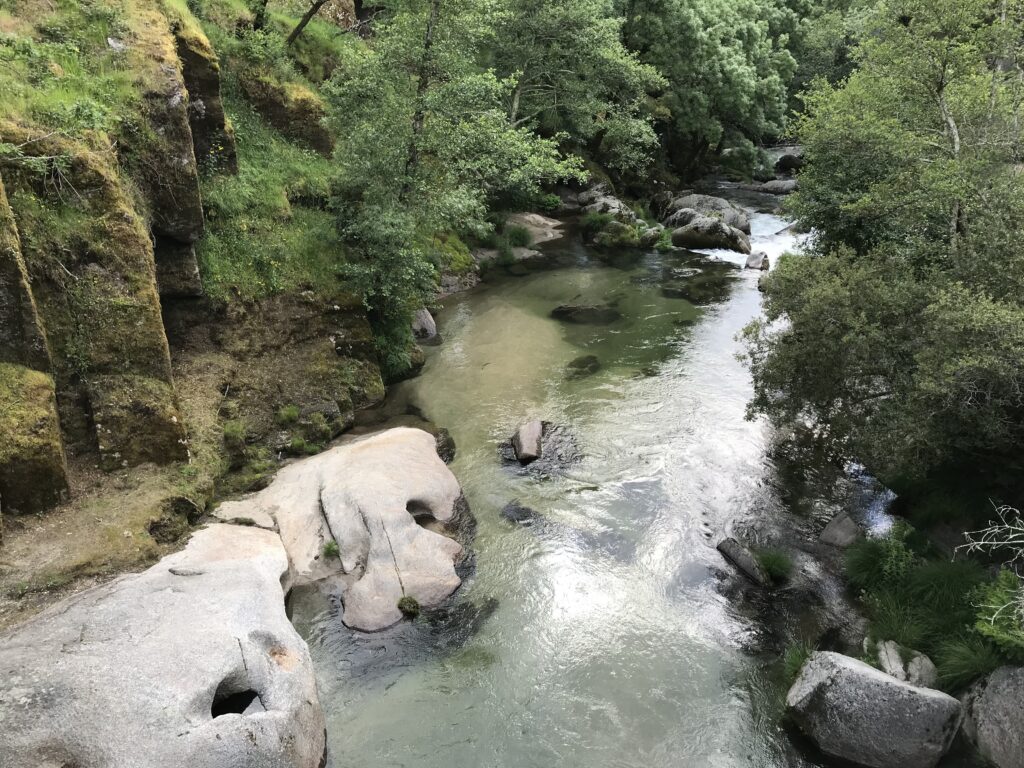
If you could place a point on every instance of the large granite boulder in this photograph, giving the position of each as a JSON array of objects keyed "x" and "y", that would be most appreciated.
[
  {"x": 191, "y": 663},
  {"x": 710, "y": 232},
  {"x": 994, "y": 717},
  {"x": 356, "y": 514},
  {"x": 858, "y": 713},
  {"x": 706, "y": 205},
  {"x": 598, "y": 199}
]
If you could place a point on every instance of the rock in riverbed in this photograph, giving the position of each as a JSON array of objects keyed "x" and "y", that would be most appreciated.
[
  {"x": 710, "y": 232},
  {"x": 841, "y": 532},
  {"x": 527, "y": 442},
  {"x": 858, "y": 713},
  {"x": 369, "y": 497},
  {"x": 583, "y": 366},
  {"x": 586, "y": 314},
  {"x": 191, "y": 663},
  {"x": 745, "y": 561},
  {"x": 682, "y": 210},
  {"x": 424, "y": 328},
  {"x": 758, "y": 261}
]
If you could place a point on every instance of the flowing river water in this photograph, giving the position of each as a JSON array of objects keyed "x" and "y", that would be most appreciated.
[{"x": 597, "y": 636}]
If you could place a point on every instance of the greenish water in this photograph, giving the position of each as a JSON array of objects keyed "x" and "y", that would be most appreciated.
[{"x": 610, "y": 645}]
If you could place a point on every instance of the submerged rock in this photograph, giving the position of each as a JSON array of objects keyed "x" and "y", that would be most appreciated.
[
  {"x": 994, "y": 718},
  {"x": 520, "y": 514},
  {"x": 527, "y": 442},
  {"x": 586, "y": 365},
  {"x": 372, "y": 498},
  {"x": 745, "y": 561},
  {"x": 190, "y": 663},
  {"x": 586, "y": 314},
  {"x": 858, "y": 713}
]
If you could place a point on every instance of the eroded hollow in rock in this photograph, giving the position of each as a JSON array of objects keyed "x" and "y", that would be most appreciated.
[
  {"x": 228, "y": 700},
  {"x": 419, "y": 510}
]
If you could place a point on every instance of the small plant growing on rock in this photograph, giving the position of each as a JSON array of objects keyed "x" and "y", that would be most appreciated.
[
  {"x": 331, "y": 549},
  {"x": 794, "y": 658},
  {"x": 409, "y": 606},
  {"x": 518, "y": 236},
  {"x": 288, "y": 414},
  {"x": 778, "y": 565}
]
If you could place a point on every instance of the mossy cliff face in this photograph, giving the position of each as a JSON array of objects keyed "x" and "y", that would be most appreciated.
[
  {"x": 90, "y": 259},
  {"x": 122, "y": 164},
  {"x": 33, "y": 474}
]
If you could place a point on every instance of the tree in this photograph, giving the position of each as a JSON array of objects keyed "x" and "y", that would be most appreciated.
[
  {"x": 428, "y": 142},
  {"x": 900, "y": 334},
  {"x": 727, "y": 69},
  {"x": 572, "y": 74}
]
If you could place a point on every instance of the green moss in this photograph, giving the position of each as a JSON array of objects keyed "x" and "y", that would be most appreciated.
[
  {"x": 33, "y": 475},
  {"x": 409, "y": 606},
  {"x": 266, "y": 230},
  {"x": 452, "y": 254}
]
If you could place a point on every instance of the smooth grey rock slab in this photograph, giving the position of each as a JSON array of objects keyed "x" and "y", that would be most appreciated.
[
  {"x": 366, "y": 496},
  {"x": 131, "y": 674}
]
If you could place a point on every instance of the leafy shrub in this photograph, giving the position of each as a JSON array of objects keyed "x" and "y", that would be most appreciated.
[
  {"x": 777, "y": 564},
  {"x": 1001, "y": 613},
  {"x": 592, "y": 223},
  {"x": 518, "y": 236}
]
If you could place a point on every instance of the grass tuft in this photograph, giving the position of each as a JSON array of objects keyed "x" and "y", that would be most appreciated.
[{"x": 777, "y": 564}]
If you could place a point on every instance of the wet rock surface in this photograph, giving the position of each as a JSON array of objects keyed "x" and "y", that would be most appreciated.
[{"x": 579, "y": 314}]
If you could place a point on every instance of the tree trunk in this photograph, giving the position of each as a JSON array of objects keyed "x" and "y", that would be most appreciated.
[
  {"x": 314, "y": 9},
  {"x": 419, "y": 113},
  {"x": 260, "y": 19}
]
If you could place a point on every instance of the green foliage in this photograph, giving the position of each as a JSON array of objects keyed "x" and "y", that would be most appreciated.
[
  {"x": 267, "y": 231},
  {"x": 776, "y": 563},
  {"x": 727, "y": 69},
  {"x": 424, "y": 154},
  {"x": 935, "y": 606},
  {"x": 571, "y": 73},
  {"x": 409, "y": 606},
  {"x": 235, "y": 434},
  {"x": 664, "y": 244},
  {"x": 592, "y": 223},
  {"x": 331, "y": 549},
  {"x": 518, "y": 236},
  {"x": 964, "y": 659},
  {"x": 288, "y": 414},
  {"x": 1001, "y": 614},
  {"x": 902, "y": 335},
  {"x": 794, "y": 658}
]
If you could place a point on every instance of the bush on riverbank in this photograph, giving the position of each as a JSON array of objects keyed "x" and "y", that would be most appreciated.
[{"x": 926, "y": 602}]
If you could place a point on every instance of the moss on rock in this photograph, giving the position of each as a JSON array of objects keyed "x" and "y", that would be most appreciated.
[
  {"x": 33, "y": 474},
  {"x": 291, "y": 107}
]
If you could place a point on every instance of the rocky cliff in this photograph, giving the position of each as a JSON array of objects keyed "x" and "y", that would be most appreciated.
[{"x": 116, "y": 126}]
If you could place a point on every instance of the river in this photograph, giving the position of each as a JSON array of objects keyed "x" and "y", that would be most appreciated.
[{"x": 611, "y": 644}]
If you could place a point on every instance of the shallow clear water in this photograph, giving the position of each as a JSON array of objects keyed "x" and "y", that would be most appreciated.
[{"x": 610, "y": 644}]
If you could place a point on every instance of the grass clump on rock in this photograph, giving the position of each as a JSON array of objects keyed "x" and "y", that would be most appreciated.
[
  {"x": 288, "y": 414},
  {"x": 409, "y": 606},
  {"x": 776, "y": 564},
  {"x": 331, "y": 549}
]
